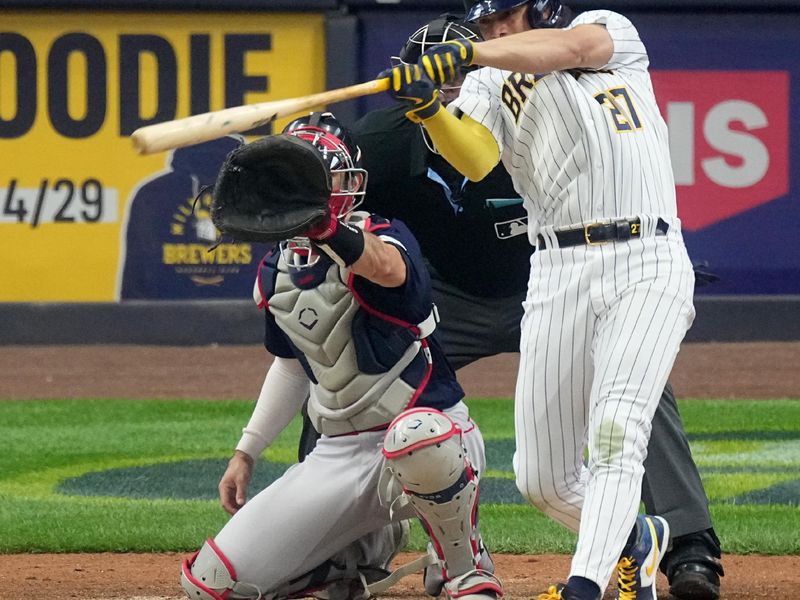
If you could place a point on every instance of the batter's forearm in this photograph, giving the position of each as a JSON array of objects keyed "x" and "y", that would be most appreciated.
[
  {"x": 547, "y": 50},
  {"x": 464, "y": 143}
]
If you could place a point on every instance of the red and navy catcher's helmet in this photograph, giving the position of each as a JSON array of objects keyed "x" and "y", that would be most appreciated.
[
  {"x": 541, "y": 13},
  {"x": 348, "y": 180},
  {"x": 342, "y": 155}
]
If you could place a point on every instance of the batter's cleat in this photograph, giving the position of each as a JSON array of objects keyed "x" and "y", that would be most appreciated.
[
  {"x": 562, "y": 591},
  {"x": 693, "y": 567},
  {"x": 638, "y": 566}
]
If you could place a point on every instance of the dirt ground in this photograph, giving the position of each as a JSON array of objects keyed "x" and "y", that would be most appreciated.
[
  {"x": 748, "y": 370},
  {"x": 155, "y": 577}
]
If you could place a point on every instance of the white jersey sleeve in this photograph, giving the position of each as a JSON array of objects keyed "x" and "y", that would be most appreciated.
[
  {"x": 480, "y": 101},
  {"x": 629, "y": 51},
  {"x": 282, "y": 395}
]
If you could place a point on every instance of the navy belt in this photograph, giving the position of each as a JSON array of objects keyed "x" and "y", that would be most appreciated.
[{"x": 595, "y": 234}]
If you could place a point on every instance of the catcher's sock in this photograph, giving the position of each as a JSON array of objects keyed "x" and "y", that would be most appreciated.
[{"x": 585, "y": 588}]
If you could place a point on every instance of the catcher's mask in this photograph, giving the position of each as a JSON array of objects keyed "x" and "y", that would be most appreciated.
[
  {"x": 541, "y": 13},
  {"x": 340, "y": 153},
  {"x": 348, "y": 180},
  {"x": 443, "y": 28}
]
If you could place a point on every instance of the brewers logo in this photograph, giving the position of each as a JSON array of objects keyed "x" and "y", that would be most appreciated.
[
  {"x": 193, "y": 252},
  {"x": 171, "y": 248}
]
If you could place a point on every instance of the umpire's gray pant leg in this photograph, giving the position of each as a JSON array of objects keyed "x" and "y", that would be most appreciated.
[{"x": 672, "y": 487}]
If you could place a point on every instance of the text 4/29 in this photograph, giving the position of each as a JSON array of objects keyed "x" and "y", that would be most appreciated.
[{"x": 58, "y": 201}]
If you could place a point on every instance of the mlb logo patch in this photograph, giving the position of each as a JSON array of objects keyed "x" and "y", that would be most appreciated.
[{"x": 512, "y": 228}]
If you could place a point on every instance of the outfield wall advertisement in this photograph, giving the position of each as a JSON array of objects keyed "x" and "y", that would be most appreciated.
[{"x": 82, "y": 216}]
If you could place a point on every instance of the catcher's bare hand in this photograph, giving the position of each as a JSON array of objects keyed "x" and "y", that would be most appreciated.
[{"x": 233, "y": 485}]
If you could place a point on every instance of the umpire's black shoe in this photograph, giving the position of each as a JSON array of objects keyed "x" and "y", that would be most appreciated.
[{"x": 693, "y": 567}]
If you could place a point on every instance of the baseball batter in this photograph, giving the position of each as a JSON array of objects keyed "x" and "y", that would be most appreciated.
[
  {"x": 349, "y": 317},
  {"x": 571, "y": 113}
]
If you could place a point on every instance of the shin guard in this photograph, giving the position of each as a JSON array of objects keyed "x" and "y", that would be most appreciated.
[{"x": 424, "y": 451}]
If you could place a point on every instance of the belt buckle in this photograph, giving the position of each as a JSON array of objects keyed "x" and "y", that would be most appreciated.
[{"x": 586, "y": 235}]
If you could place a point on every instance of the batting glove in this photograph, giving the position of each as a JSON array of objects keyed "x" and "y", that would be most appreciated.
[
  {"x": 443, "y": 63},
  {"x": 409, "y": 84}
]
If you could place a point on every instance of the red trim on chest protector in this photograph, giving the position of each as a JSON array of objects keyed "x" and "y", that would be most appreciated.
[{"x": 264, "y": 303}]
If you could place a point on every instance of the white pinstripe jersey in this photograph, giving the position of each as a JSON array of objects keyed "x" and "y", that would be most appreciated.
[{"x": 574, "y": 155}]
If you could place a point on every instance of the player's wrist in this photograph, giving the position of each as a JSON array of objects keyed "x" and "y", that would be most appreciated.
[
  {"x": 425, "y": 112},
  {"x": 468, "y": 53},
  {"x": 345, "y": 245},
  {"x": 249, "y": 448},
  {"x": 474, "y": 57}
]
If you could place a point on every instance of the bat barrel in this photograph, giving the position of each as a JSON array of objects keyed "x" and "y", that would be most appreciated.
[{"x": 216, "y": 124}]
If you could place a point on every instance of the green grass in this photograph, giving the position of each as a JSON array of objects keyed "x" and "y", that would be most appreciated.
[{"x": 748, "y": 452}]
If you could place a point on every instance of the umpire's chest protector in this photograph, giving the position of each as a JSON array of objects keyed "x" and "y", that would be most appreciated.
[{"x": 368, "y": 367}]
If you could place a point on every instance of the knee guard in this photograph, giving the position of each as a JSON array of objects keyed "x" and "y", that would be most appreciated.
[
  {"x": 425, "y": 453},
  {"x": 209, "y": 575}
]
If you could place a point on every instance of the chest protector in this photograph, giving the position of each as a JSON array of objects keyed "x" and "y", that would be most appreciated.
[{"x": 368, "y": 366}]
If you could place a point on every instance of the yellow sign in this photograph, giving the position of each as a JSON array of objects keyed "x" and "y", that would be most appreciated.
[{"x": 73, "y": 87}]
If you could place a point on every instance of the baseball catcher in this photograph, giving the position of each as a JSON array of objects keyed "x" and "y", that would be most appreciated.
[{"x": 351, "y": 324}]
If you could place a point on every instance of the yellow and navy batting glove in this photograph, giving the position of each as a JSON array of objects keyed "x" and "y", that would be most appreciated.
[
  {"x": 409, "y": 84},
  {"x": 443, "y": 62}
]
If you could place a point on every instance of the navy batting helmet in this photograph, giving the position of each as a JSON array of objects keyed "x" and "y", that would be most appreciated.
[
  {"x": 541, "y": 13},
  {"x": 443, "y": 28}
]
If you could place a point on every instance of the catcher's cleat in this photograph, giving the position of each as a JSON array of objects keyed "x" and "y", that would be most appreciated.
[
  {"x": 357, "y": 583},
  {"x": 638, "y": 566},
  {"x": 693, "y": 567},
  {"x": 433, "y": 577},
  {"x": 562, "y": 591},
  {"x": 474, "y": 585},
  {"x": 352, "y": 588}
]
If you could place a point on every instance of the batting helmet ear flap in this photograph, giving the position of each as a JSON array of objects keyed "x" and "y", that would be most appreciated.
[
  {"x": 541, "y": 13},
  {"x": 549, "y": 14}
]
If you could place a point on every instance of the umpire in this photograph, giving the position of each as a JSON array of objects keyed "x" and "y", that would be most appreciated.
[{"x": 474, "y": 238}]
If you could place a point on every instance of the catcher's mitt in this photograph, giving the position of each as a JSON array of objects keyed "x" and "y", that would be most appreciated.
[{"x": 271, "y": 190}]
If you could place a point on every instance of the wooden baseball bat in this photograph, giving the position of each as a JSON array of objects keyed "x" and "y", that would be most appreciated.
[{"x": 218, "y": 123}]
